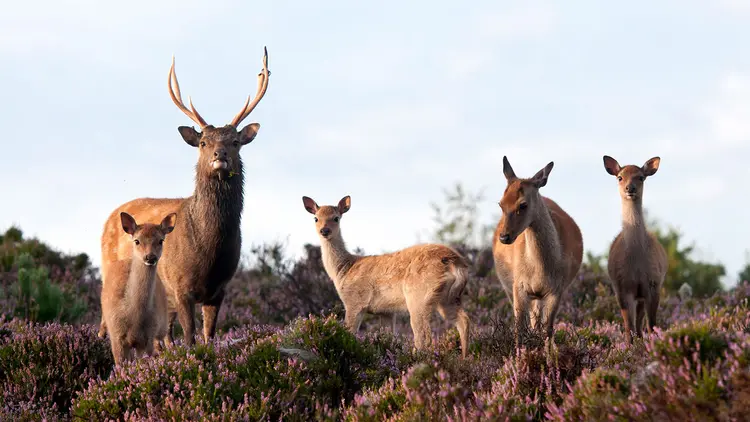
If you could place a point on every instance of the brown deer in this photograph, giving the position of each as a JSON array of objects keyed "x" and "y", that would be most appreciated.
[
  {"x": 637, "y": 262},
  {"x": 134, "y": 302},
  {"x": 537, "y": 248},
  {"x": 202, "y": 254},
  {"x": 418, "y": 279}
]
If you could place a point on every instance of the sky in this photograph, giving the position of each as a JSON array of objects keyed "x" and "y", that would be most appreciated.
[{"x": 389, "y": 102}]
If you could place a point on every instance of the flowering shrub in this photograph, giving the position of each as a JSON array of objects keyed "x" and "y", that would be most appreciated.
[
  {"x": 282, "y": 352},
  {"x": 42, "y": 367}
]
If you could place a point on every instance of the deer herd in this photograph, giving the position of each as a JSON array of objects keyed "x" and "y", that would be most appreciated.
[{"x": 162, "y": 256}]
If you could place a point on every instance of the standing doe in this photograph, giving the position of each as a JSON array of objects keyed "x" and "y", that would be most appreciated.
[
  {"x": 418, "y": 279},
  {"x": 537, "y": 248},
  {"x": 637, "y": 262},
  {"x": 134, "y": 302},
  {"x": 203, "y": 253}
]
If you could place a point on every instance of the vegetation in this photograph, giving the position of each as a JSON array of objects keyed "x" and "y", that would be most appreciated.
[{"x": 282, "y": 351}]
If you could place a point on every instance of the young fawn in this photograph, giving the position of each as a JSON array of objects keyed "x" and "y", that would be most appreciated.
[
  {"x": 418, "y": 279},
  {"x": 134, "y": 302},
  {"x": 537, "y": 248},
  {"x": 637, "y": 262}
]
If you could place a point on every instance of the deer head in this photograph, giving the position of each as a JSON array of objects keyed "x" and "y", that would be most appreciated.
[
  {"x": 520, "y": 202},
  {"x": 148, "y": 239},
  {"x": 327, "y": 217},
  {"x": 219, "y": 148},
  {"x": 630, "y": 178}
]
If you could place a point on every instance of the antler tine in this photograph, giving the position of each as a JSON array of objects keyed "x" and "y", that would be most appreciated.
[
  {"x": 177, "y": 99},
  {"x": 263, "y": 77}
]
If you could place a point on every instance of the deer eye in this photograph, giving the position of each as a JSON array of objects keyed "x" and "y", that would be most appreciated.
[
  {"x": 316, "y": 219},
  {"x": 336, "y": 219},
  {"x": 137, "y": 242},
  {"x": 641, "y": 178},
  {"x": 161, "y": 241},
  {"x": 522, "y": 207},
  {"x": 236, "y": 143},
  {"x": 619, "y": 178},
  {"x": 203, "y": 144}
]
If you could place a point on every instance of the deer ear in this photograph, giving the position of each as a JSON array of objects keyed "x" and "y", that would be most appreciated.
[
  {"x": 611, "y": 165},
  {"x": 540, "y": 178},
  {"x": 344, "y": 204},
  {"x": 190, "y": 135},
  {"x": 128, "y": 223},
  {"x": 310, "y": 205},
  {"x": 649, "y": 169},
  {"x": 167, "y": 224},
  {"x": 510, "y": 175},
  {"x": 248, "y": 133}
]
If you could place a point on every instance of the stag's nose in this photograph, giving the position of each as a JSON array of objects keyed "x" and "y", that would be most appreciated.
[
  {"x": 325, "y": 231},
  {"x": 505, "y": 238},
  {"x": 220, "y": 154},
  {"x": 150, "y": 259}
]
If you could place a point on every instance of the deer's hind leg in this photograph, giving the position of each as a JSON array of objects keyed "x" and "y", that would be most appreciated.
[{"x": 454, "y": 314}]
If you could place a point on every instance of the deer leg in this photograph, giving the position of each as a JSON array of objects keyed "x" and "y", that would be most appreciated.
[
  {"x": 550, "y": 307},
  {"x": 169, "y": 338},
  {"x": 186, "y": 315},
  {"x": 520, "y": 312},
  {"x": 652, "y": 304},
  {"x": 210, "y": 311},
  {"x": 353, "y": 319},
  {"x": 455, "y": 315},
  {"x": 393, "y": 323},
  {"x": 627, "y": 309},
  {"x": 536, "y": 309},
  {"x": 102, "y": 329},
  {"x": 118, "y": 350},
  {"x": 640, "y": 311}
]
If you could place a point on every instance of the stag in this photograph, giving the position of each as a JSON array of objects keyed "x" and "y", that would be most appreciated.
[{"x": 202, "y": 254}]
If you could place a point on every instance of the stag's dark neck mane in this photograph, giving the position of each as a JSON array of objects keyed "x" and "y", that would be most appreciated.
[{"x": 215, "y": 208}]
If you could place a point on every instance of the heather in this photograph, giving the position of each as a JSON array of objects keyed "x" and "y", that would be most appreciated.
[{"x": 283, "y": 353}]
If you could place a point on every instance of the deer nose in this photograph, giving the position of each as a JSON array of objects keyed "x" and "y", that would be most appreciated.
[
  {"x": 150, "y": 259},
  {"x": 505, "y": 238},
  {"x": 325, "y": 231},
  {"x": 630, "y": 188},
  {"x": 220, "y": 153}
]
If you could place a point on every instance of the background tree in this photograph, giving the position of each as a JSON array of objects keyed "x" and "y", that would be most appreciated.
[{"x": 703, "y": 277}]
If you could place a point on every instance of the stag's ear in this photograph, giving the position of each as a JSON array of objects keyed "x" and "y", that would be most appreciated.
[
  {"x": 310, "y": 205},
  {"x": 344, "y": 204},
  {"x": 190, "y": 135},
  {"x": 510, "y": 175},
  {"x": 540, "y": 178},
  {"x": 248, "y": 133},
  {"x": 649, "y": 169},
  {"x": 167, "y": 224},
  {"x": 128, "y": 223},
  {"x": 611, "y": 165}
]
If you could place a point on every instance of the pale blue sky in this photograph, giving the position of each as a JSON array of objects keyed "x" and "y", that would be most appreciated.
[{"x": 388, "y": 102}]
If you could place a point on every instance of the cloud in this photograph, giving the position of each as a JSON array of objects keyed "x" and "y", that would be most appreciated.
[
  {"x": 475, "y": 50},
  {"x": 728, "y": 113},
  {"x": 30, "y": 29},
  {"x": 524, "y": 22}
]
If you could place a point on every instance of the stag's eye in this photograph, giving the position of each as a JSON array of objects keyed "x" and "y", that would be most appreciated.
[
  {"x": 522, "y": 207},
  {"x": 619, "y": 178},
  {"x": 641, "y": 178},
  {"x": 316, "y": 219},
  {"x": 203, "y": 144},
  {"x": 236, "y": 144},
  {"x": 336, "y": 219},
  {"x": 137, "y": 242}
]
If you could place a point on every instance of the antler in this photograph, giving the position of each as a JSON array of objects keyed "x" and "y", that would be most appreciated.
[
  {"x": 262, "y": 87},
  {"x": 177, "y": 99}
]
